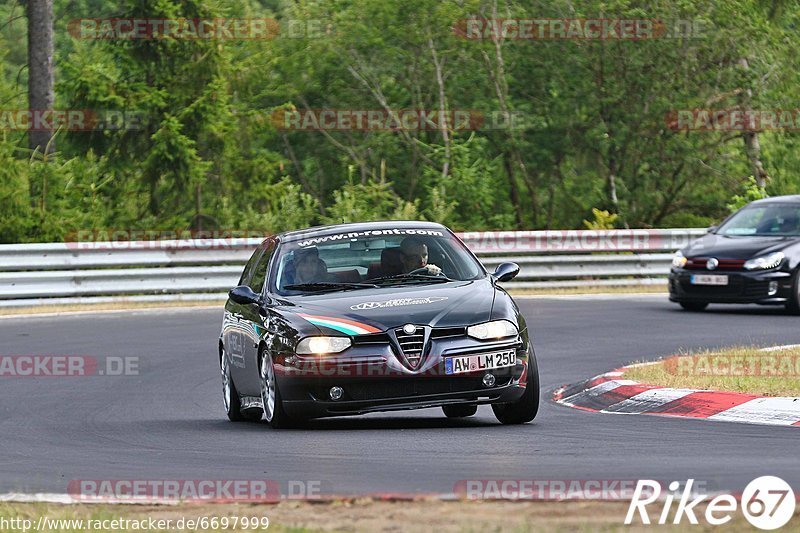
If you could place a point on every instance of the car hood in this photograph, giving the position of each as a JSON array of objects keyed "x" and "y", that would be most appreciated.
[
  {"x": 451, "y": 304},
  {"x": 736, "y": 247}
]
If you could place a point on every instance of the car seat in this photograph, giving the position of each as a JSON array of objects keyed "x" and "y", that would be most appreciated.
[{"x": 391, "y": 262}]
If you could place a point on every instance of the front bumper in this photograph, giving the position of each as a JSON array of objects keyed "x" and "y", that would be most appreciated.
[
  {"x": 742, "y": 287},
  {"x": 316, "y": 407},
  {"x": 377, "y": 383}
]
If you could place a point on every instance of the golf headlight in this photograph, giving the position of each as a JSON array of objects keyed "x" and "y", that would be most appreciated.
[
  {"x": 678, "y": 260},
  {"x": 764, "y": 262},
  {"x": 497, "y": 329},
  {"x": 321, "y": 345}
]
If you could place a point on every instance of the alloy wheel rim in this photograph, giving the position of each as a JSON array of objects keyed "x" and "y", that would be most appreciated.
[
  {"x": 226, "y": 381},
  {"x": 268, "y": 387}
]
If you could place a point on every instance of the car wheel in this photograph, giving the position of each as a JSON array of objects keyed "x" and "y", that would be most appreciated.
[
  {"x": 793, "y": 302},
  {"x": 271, "y": 396},
  {"x": 525, "y": 409},
  {"x": 459, "y": 411},
  {"x": 694, "y": 306},
  {"x": 230, "y": 397}
]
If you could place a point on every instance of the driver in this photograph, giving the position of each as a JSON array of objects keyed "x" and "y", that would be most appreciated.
[{"x": 415, "y": 256}]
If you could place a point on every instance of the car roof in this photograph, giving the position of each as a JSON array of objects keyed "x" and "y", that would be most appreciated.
[
  {"x": 788, "y": 199},
  {"x": 334, "y": 229}
]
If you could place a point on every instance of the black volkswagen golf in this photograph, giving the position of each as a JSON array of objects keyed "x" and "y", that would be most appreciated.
[
  {"x": 357, "y": 318},
  {"x": 751, "y": 257}
]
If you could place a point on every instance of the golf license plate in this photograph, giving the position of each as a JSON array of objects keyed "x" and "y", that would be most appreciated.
[
  {"x": 476, "y": 363},
  {"x": 709, "y": 279}
]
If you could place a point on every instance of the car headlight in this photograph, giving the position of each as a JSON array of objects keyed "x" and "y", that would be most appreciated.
[
  {"x": 764, "y": 262},
  {"x": 678, "y": 260},
  {"x": 497, "y": 329},
  {"x": 322, "y": 345}
]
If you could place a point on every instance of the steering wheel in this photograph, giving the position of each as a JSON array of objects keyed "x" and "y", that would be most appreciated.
[{"x": 424, "y": 270}]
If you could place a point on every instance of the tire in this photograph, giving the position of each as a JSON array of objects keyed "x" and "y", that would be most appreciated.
[
  {"x": 230, "y": 396},
  {"x": 793, "y": 305},
  {"x": 271, "y": 397},
  {"x": 525, "y": 409},
  {"x": 459, "y": 411},
  {"x": 694, "y": 306}
]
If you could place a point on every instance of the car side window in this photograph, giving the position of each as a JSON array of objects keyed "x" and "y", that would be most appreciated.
[
  {"x": 247, "y": 273},
  {"x": 260, "y": 270}
]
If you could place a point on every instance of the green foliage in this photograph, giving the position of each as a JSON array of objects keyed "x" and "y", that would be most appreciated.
[
  {"x": 752, "y": 192},
  {"x": 592, "y": 129},
  {"x": 274, "y": 208},
  {"x": 363, "y": 202},
  {"x": 472, "y": 195},
  {"x": 14, "y": 197},
  {"x": 602, "y": 220}
]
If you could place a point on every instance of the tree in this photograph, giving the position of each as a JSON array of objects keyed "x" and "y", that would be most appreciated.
[{"x": 41, "y": 96}]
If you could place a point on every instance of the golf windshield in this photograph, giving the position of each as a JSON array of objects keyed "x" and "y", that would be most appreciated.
[{"x": 779, "y": 220}]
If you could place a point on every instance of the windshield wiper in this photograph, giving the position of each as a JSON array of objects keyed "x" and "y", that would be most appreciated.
[
  {"x": 329, "y": 286},
  {"x": 411, "y": 277}
]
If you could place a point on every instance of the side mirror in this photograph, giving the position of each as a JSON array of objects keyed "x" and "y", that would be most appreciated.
[
  {"x": 244, "y": 295},
  {"x": 711, "y": 229},
  {"x": 506, "y": 271}
]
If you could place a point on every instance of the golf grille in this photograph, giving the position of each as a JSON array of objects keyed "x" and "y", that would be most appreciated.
[{"x": 411, "y": 344}]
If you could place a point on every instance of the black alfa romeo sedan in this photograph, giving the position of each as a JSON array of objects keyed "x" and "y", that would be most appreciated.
[
  {"x": 356, "y": 318},
  {"x": 751, "y": 257}
]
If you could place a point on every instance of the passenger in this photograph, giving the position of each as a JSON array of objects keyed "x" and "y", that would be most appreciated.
[{"x": 415, "y": 256}]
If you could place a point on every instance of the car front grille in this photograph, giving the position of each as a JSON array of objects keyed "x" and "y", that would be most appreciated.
[
  {"x": 411, "y": 344},
  {"x": 442, "y": 333},
  {"x": 381, "y": 389},
  {"x": 371, "y": 339},
  {"x": 756, "y": 289},
  {"x": 732, "y": 289},
  {"x": 699, "y": 263}
]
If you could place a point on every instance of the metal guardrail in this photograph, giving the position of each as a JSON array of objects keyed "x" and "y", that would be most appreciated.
[{"x": 37, "y": 274}]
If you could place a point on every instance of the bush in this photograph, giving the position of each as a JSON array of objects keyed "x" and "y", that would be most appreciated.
[{"x": 367, "y": 202}]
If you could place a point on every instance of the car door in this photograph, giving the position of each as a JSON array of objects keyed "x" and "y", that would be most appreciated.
[
  {"x": 252, "y": 325},
  {"x": 233, "y": 331}
]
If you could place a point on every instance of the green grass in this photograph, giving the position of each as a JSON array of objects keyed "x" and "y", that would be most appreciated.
[
  {"x": 745, "y": 369},
  {"x": 614, "y": 289}
]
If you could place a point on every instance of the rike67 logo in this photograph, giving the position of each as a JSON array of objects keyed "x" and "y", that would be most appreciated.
[{"x": 768, "y": 503}]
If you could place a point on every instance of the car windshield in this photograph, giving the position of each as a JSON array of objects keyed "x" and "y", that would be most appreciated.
[
  {"x": 779, "y": 220},
  {"x": 372, "y": 258}
]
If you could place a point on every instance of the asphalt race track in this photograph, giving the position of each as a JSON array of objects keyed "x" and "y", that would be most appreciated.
[{"x": 168, "y": 422}]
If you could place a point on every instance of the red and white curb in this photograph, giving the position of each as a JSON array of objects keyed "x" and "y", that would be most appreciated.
[{"x": 611, "y": 393}]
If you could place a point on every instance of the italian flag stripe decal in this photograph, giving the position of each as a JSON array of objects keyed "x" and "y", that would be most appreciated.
[{"x": 350, "y": 327}]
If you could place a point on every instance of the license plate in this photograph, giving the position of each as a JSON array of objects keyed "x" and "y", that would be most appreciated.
[
  {"x": 709, "y": 279},
  {"x": 476, "y": 363}
]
